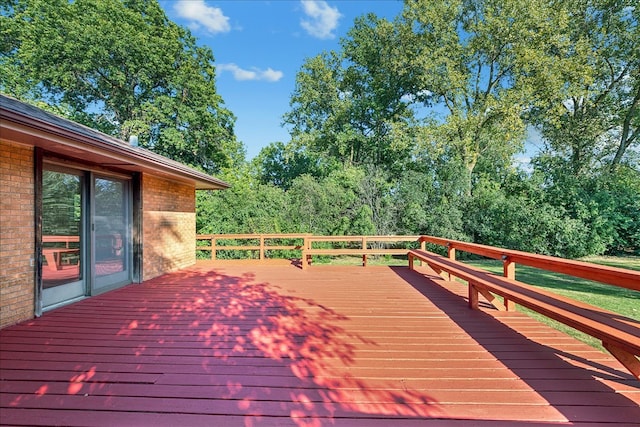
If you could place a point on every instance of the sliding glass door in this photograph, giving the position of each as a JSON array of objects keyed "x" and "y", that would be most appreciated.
[
  {"x": 63, "y": 216},
  {"x": 111, "y": 233},
  {"x": 86, "y": 234}
]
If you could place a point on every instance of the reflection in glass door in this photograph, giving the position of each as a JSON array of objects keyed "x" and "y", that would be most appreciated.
[
  {"x": 62, "y": 237},
  {"x": 111, "y": 223}
]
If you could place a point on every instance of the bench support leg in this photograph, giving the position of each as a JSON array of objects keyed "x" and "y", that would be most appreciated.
[
  {"x": 473, "y": 297},
  {"x": 509, "y": 305},
  {"x": 451, "y": 254},
  {"x": 628, "y": 360},
  {"x": 493, "y": 300},
  {"x": 475, "y": 292}
]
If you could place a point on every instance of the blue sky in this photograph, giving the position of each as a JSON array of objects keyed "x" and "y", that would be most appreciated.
[{"x": 259, "y": 46}]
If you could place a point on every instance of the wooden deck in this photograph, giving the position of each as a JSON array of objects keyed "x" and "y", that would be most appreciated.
[{"x": 262, "y": 345}]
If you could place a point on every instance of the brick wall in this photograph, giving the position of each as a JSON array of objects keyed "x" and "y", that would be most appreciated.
[
  {"x": 168, "y": 226},
  {"x": 17, "y": 286}
]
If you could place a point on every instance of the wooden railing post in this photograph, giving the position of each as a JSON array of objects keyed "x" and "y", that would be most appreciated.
[
  {"x": 213, "y": 247},
  {"x": 508, "y": 268},
  {"x": 473, "y": 296},
  {"x": 261, "y": 247},
  {"x": 508, "y": 271},
  {"x": 451, "y": 254},
  {"x": 364, "y": 247},
  {"x": 303, "y": 257}
]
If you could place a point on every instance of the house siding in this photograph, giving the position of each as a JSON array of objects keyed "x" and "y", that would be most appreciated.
[
  {"x": 168, "y": 226},
  {"x": 17, "y": 233}
]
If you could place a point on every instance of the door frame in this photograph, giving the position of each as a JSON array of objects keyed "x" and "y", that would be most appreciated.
[
  {"x": 134, "y": 206},
  {"x": 73, "y": 290}
]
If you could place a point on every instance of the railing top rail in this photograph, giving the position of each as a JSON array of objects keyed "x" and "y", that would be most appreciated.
[
  {"x": 315, "y": 238},
  {"x": 253, "y": 236},
  {"x": 600, "y": 273},
  {"x": 387, "y": 238}
]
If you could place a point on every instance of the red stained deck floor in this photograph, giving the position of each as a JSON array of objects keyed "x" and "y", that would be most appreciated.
[{"x": 229, "y": 344}]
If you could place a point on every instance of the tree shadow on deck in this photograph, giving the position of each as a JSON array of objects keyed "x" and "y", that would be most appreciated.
[
  {"x": 574, "y": 385},
  {"x": 195, "y": 343},
  {"x": 274, "y": 354}
]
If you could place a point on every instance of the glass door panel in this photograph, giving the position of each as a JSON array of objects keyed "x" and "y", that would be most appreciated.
[
  {"x": 111, "y": 222},
  {"x": 62, "y": 237}
]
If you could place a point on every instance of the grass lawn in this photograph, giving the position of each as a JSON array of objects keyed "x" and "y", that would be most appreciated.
[{"x": 620, "y": 300}]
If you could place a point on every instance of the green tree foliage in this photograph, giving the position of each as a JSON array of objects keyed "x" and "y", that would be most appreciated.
[
  {"x": 438, "y": 100},
  {"x": 247, "y": 207},
  {"x": 518, "y": 216},
  {"x": 410, "y": 127},
  {"x": 120, "y": 66},
  {"x": 588, "y": 84},
  {"x": 427, "y": 200},
  {"x": 279, "y": 164},
  {"x": 443, "y": 75},
  {"x": 466, "y": 58},
  {"x": 347, "y": 105},
  {"x": 330, "y": 205},
  {"x": 605, "y": 203}
]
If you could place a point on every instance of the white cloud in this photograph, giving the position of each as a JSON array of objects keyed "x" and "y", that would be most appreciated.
[
  {"x": 323, "y": 18},
  {"x": 199, "y": 14},
  {"x": 269, "y": 75},
  {"x": 410, "y": 98}
]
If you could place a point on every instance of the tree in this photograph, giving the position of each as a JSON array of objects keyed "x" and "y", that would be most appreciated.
[
  {"x": 247, "y": 207},
  {"x": 427, "y": 198},
  {"x": 467, "y": 56},
  {"x": 444, "y": 75},
  {"x": 587, "y": 92},
  {"x": 588, "y": 84},
  {"x": 347, "y": 105},
  {"x": 120, "y": 66},
  {"x": 279, "y": 164},
  {"x": 319, "y": 116}
]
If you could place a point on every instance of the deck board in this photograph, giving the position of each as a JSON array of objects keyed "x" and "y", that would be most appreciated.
[{"x": 263, "y": 345}]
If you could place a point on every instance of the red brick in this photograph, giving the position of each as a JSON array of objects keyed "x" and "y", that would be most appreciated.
[
  {"x": 16, "y": 232},
  {"x": 168, "y": 226}
]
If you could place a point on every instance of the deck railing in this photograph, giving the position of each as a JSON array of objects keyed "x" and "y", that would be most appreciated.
[
  {"x": 363, "y": 246},
  {"x": 308, "y": 245},
  {"x": 620, "y": 335},
  {"x": 250, "y": 243},
  {"x": 600, "y": 273},
  {"x": 270, "y": 246}
]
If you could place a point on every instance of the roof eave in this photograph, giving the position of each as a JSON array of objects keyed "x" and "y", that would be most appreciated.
[{"x": 54, "y": 136}]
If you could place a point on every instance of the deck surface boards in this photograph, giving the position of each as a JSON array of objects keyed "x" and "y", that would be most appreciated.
[{"x": 264, "y": 345}]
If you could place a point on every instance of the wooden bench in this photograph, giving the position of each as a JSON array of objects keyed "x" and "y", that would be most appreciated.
[{"x": 619, "y": 335}]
